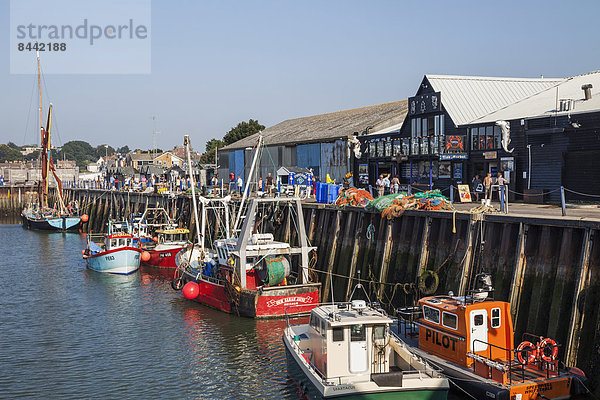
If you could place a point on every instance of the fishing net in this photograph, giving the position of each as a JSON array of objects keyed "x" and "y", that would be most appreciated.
[
  {"x": 383, "y": 202},
  {"x": 353, "y": 197},
  {"x": 431, "y": 200}
]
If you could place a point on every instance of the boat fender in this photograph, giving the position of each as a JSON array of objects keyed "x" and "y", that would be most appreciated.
[
  {"x": 526, "y": 353},
  {"x": 548, "y": 350},
  {"x": 177, "y": 284},
  {"x": 428, "y": 282}
]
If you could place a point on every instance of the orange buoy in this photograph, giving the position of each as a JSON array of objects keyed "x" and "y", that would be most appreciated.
[
  {"x": 83, "y": 251},
  {"x": 548, "y": 350},
  {"x": 155, "y": 239},
  {"x": 84, "y": 218},
  {"x": 145, "y": 256},
  {"x": 526, "y": 353},
  {"x": 191, "y": 290}
]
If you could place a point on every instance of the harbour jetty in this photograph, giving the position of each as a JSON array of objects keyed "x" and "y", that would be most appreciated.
[{"x": 547, "y": 268}]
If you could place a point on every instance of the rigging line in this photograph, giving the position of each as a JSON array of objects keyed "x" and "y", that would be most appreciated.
[
  {"x": 581, "y": 194},
  {"x": 54, "y": 122},
  {"x": 29, "y": 113}
]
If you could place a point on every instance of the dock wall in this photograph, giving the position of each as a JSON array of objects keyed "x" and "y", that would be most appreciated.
[{"x": 548, "y": 269}]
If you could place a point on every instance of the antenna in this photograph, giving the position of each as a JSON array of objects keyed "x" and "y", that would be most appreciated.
[{"x": 153, "y": 135}]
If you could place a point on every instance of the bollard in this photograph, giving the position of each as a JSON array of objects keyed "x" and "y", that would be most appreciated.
[
  {"x": 409, "y": 190},
  {"x": 562, "y": 201},
  {"x": 501, "y": 194},
  {"x": 451, "y": 194}
]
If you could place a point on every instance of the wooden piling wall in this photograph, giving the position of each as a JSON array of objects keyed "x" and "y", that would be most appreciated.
[{"x": 549, "y": 269}]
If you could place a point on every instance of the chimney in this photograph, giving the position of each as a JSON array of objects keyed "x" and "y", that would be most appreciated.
[{"x": 587, "y": 90}]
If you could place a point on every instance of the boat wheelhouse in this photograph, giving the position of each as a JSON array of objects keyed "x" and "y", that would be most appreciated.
[
  {"x": 347, "y": 350},
  {"x": 169, "y": 242},
  {"x": 471, "y": 339}
]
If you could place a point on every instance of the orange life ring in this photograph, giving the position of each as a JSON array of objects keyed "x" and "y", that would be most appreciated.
[
  {"x": 548, "y": 356},
  {"x": 528, "y": 350}
]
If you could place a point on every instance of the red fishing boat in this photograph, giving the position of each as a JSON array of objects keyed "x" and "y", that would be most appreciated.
[
  {"x": 170, "y": 241},
  {"x": 252, "y": 274}
]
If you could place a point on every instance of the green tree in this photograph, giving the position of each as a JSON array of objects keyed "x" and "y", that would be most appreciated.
[
  {"x": 103, "y": 150},
  {"x": 13, "y": 146},
  {"x": 124, "y": 150},
  {"x": 8, "y": 153},
  {"x": 81, "y": 152},
  {"x": 242, "y": 130},
  {"x": 209, "y": 156}
]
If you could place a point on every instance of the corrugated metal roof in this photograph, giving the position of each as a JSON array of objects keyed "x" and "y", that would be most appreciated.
[
  {"x": 330, "y": 126},
  {"x": 544, "y": 104},
  {"x": 467, "y": 98}
]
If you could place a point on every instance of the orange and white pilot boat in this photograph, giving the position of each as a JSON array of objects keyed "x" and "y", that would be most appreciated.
[{"x": 470, "y": 338}]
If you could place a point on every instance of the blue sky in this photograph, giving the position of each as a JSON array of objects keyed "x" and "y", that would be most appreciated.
[{"x": 214, "y": 64}]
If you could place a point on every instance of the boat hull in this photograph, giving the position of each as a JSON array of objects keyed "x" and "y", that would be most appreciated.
[
  {"x": 162, "y": 258},
  {"x": 56, "y": 224},
  {"x": 123, "y": 261},
  {"x": 265, "y": 303},
  {"x": 309, "y": 386}
]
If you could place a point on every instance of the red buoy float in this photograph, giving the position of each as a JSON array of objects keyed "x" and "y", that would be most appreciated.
[
  {"x": 84, "y": 218},
  {"x": 548, "y": 350},
  {"x": 526, "y": 353},
  {"x": 191, "y": 290},
  {"x": 145, "y": 256}
]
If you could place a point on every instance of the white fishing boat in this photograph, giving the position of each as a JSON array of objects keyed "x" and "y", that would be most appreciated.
[
  {"x": 117, "y": 254},
  {"x": 347, "y": 350}
]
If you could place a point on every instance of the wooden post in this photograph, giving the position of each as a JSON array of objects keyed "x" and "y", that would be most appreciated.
[
  {"x": 331, "y": 259},
  {"x": 387, "y": 252},
  {"x": 582, "y": 282},
  {"x": 355, "y": 248},
  {"x": 424, "y": 247},
  {"x": 518, "y": 273}
]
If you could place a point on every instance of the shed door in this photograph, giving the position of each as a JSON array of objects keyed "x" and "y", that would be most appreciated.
[
  {"x": 359, "y": 361},
  {"x": 479, "y": 330}
]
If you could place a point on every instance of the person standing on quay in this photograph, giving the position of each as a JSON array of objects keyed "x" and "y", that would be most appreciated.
[
  {"x": 500, "y": 181},
  {"x": 487, "y": 185},
  {"x": 380, "y": 186},
  {"x": 240, "y": 184},
  {"x": 476, "y": 187},
  {"x": 395, "y": 184},
  {"x": 269, "y": 182}
]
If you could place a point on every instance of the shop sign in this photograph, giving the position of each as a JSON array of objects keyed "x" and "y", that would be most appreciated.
[
  {"x": 450, "y": 157},
  {"x": 426, "y": 103},
  {"x": 464, "y": 193},
  {"x": 363, "y": 174},
  {"x": 457, "y": 172},
  {"x": 490, "y": 155},
  {"x": 455, "y": 143}
]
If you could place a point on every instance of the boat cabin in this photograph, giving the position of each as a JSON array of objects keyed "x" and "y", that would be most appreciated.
[
  {"x": 118, "y": 240},
  {"x": 348, "y": 339},
  {"x": 173, "y": 235},
  {"x": 451, "y": 327}
]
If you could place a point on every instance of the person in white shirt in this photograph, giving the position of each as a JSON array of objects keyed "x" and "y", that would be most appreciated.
[
  {"x": 380, "y": 186},
  {"x": 240, "y": 184}
]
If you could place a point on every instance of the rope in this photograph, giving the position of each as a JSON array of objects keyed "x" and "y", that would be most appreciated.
[
  {"x": 371, "y": 233},
  {"x": 540, "y": 194},
  {"x": 582, "y": 194}
]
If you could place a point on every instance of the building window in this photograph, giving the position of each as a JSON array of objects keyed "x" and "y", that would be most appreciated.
[
  {"x": 380, "y": 149},
  {"x": 388, "y": 148},
  {"x": 406, "y": 146},
  {"x": 415, "y": 146},
  {"x": 424, "y": 145},
  {"x": 379, "y": 332},
  {"x": 373, "y": 149},
  {"x": 486, "y": 138},
  {"x": 433, "y": 143},
  {"x": 397, "y": 147}
]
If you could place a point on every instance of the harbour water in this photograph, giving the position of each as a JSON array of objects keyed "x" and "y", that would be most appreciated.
[{"x": 68, "y": 332}]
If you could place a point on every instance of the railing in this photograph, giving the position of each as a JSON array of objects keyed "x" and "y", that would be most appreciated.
[{"x": 512, "y": 365}]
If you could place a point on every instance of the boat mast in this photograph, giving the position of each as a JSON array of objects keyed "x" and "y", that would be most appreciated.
[
  {"x": 186, "y": 142},
  {"x": 239, "y": 215}
]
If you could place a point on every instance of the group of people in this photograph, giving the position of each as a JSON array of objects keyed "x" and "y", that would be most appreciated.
[
  {"x": 478, "y": 187},
  {"x": 265, "y": 185}
]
